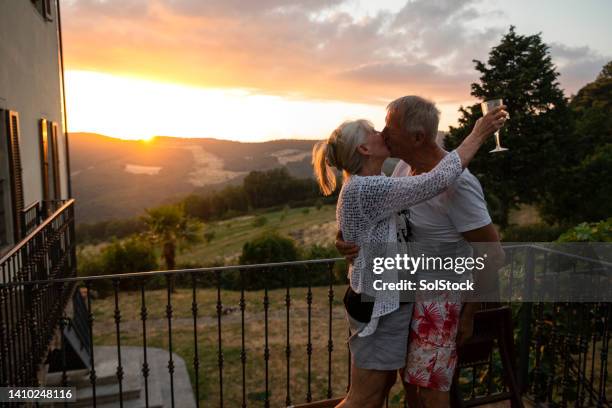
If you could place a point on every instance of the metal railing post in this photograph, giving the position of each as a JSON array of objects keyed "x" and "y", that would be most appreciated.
[{"x": 525, "y": 322}]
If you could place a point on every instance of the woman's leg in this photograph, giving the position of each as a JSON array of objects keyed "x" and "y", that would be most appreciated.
[{"x": 369, "y": 388}]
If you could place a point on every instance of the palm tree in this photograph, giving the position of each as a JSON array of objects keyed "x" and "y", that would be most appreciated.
[{"x": 170, "y": 227}]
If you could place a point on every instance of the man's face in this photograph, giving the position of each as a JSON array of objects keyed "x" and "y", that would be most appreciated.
[{"x": 399, "y": 142}]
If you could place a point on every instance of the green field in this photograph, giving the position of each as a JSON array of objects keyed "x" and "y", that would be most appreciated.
[{"x": 307, "y": 226}]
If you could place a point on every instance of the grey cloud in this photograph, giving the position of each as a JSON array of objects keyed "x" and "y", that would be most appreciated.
[
  {"x": 247, "y": 8},
  {"x": 427, "y": 42},
  {"x": 424, "y": 75},
  {"x": 577, "y": 65},
  {"x": 565, "y": 51},
  {"x": 437, "y": 30},
  {"x": 391, "y": 72},
  {"x": 426, "y": 12}
]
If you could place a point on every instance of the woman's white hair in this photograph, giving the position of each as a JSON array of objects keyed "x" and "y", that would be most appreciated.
[{"x": 340, "y": 151}]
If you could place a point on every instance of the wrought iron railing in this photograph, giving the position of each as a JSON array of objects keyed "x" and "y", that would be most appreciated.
[
  {"x": 37, "y": 212},
  {"x": 275, "y": 334},
  {"x": 30, "y": 312},
  {"x": 31, "y": 217},
  {"x": 562, "y": 347}
]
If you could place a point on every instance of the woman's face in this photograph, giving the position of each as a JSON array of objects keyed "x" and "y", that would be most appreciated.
[{"x": 376, "y": 146}]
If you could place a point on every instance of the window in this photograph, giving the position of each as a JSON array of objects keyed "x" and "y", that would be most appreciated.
[
  {"x": 48, "y": 6},
  {"x": 5, "y": 203},
  {"x": 57, "y": 190},
  {"x": 50, "y": 170},
  {"x": 44, "y": 158},
  {"x": 11, "y": 175},
  {"x": 15, "y": 172}
]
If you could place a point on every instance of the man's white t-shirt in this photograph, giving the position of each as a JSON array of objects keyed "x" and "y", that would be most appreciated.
[{"x": 462, "y": 207}]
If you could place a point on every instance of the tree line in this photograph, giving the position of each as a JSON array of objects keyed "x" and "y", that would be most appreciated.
[{"x": 259, "y": 190}]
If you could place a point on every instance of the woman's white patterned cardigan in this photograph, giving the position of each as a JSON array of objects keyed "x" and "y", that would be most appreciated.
[{"x": 366, "y": 216}]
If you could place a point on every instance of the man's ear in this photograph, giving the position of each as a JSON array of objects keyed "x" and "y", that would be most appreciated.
[{"x": 419, "y": 137}]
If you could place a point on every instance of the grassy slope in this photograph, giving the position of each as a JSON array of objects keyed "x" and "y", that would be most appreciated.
[
  {"x": 306, "y": 226},
  {"x": 230, "y": 235}
]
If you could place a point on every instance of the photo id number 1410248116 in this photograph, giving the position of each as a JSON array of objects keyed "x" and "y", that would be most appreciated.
[{"x": 37, "y": 394}]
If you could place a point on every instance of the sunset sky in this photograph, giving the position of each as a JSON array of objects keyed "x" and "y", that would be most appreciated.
[{"x": 269, "y": 69}]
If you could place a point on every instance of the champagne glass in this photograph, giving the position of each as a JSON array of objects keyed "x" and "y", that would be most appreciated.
[{"x": 486, "y": 107}]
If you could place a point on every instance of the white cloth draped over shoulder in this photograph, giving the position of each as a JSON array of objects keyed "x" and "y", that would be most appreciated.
[{"x": 366, "y": 216}]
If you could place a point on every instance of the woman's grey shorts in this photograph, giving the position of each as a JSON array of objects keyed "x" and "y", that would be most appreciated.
[{"x": 385, "y": 349}]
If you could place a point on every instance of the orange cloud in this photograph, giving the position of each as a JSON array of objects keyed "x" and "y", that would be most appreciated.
[
  {"x": 302, "y": 50},
  {"x": 272, "y": 49}
]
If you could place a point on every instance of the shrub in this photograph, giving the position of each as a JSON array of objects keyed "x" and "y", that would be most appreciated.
[
  {"x": 129, "y": 255},
  {"x": 266, "y": 248},
  {"x": 105, "y": 230},
  {"x": 259, "y": 221},
  {"x": 533, "y": 233},
  {"x": 209, "y": 236},
  {"x": 589, "y": 232},
  {"x": 320, "y": 273},
  {"x": 88, "y": 264}
]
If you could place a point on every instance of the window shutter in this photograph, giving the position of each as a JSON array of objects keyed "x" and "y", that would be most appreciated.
[
  {"x": 44, "y": 158},
  {"x": 3, "y": 234},
  {"x": 15, "y": 171},
  {"x": 4, "y": 188},
  {"x": 48, "y": 9},
  {"x": 57, "y": 188}
]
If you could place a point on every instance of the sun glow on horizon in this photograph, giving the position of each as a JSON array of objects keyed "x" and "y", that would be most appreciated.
[{"x": 137, "y": 109}]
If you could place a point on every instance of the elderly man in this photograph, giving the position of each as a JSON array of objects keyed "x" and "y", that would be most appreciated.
[{"x": 458, "y": 216}]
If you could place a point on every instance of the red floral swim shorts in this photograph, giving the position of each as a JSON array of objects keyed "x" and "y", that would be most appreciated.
[{"x": 432, "y": 351}]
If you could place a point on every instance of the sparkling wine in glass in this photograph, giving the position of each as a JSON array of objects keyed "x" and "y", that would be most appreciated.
[{"x": 486, "y": 107}]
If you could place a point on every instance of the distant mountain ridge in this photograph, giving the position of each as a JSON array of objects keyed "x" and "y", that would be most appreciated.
[{"x": 114, "y": 178}]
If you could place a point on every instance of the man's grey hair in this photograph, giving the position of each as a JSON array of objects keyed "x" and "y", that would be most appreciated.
[{"x": 414, "y": 113}]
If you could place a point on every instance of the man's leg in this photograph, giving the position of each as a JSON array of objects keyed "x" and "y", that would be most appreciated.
[
  {"x": 369, "y": 388},
  {"x": 412, "y": 395},
  {"x": 432, "y": 391},
  {"x": 430, "y": 398},
  {"x": 421, "y": 397}
]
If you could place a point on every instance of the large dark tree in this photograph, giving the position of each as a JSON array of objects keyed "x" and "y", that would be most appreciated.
[
  {"x": 583, "y": 190},
  {"x": 520, "y": 71}
]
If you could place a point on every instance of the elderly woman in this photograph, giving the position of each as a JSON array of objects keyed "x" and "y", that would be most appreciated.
[{"x": 366, "y": 205}]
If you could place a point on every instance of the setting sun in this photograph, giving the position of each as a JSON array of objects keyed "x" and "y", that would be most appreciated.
[{"x": 148, "y": 108}]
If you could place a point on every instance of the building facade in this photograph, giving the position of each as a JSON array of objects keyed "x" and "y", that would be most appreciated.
[{"x": 34, "y": 161}]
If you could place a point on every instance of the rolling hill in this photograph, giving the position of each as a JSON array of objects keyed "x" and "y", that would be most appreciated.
[{"x": 115, "y": 178}]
